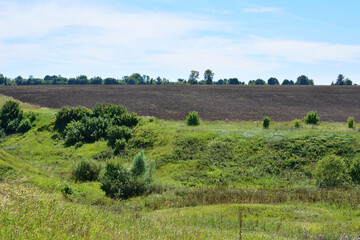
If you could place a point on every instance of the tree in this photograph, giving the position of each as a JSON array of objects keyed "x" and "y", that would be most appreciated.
[
  {"x": 304, "y": 80},
  {"x": 135, "y": 78},
  {"x": 287, "y": 82},
  {"x": 193, "y": 78},
  {"x": 273, "y": 81},
  {"x": 108, "y": 81},
  {"x": 348, "y": 82},
  {"x": 257, "y": 82},
  {"x": 220, "y": 82},
  {"x": 233, "y": 81},
  {"x": 208, "y": 76},
  {"x": 96, "y": 81},
  {"x": 340, "y": 80}
]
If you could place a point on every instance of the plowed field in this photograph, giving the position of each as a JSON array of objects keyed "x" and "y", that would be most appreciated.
[{"x": 280, "y": 103}]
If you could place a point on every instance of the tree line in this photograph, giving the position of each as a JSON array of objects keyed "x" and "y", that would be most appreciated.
[{"x": 138, "y": 79}]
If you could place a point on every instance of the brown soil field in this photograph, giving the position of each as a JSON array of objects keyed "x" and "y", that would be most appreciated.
[{"x": 240, "y": 103}]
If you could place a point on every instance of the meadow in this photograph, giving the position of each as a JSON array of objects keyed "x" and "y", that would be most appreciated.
[{"x": 218, "y": 180}]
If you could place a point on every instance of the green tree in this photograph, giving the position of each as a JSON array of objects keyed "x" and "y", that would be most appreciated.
[
  {"x": 304, "y": 80},
  {"x": 348, "y": 82},
  {"x": 340, "y": 80},
  {"x": 193, "y": 78},
  {"x": 273, "y": 81},
  {"x": 331, "y": 171},
  {"x": 208, "y": 77}
]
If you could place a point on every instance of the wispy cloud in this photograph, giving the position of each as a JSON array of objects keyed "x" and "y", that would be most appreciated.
[
  {"x": 70, "y": 38},
  {"x": 262, "y": 10}
]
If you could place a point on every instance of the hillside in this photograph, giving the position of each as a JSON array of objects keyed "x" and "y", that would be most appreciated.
[
  {"x": 234, "y": 103},
  {"x": 206, "y": 179}
]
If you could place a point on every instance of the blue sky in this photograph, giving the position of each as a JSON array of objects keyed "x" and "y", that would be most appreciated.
[{"x": 167, "y": 38}]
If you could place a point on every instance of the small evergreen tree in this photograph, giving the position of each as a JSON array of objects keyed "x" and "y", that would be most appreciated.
[
  {"x": 311, "y": 118},
  {"x": 351, "y": 122},
  {"x": 193, "y": 119},
  {"x": 266, "y": 122}
]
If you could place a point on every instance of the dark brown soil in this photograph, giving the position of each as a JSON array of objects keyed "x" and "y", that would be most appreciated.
[{"x": 280, "y": 103}]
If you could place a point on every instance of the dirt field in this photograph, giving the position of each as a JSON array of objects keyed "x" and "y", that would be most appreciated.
[{"x": 280, "y": 103}]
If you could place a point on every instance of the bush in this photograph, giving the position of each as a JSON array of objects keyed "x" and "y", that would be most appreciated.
[
  {"x": 10, "y": 116},
  {"x": 297, "y": 123},
  {"x": 355, "y": 170},
  {"x": 120, "y": 145},
  {"x": 119, "y": 182},
  {"x": 108, "y": 110},
  {"x": 69, "y": 114},
  {"x": 115, "y": 133},
  {"x": 2, "y": 133},
  {"x": 311, "y": 118},
  {"x": 351, "y": 122},
  {"x": 87, "y": 171},
  {"x": 266, "y": 122},
  {"x": 129, "y": 120},
  {"x": 331, "y": 171},
  {"x": 24, "y": 126},
  {"x": 87, "y": 130},
  {"x": 193, "y": 119}
]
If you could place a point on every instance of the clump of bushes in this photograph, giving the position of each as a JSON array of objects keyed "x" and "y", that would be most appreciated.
[
  {"x": 13, "y": 120},
  {"x": 297, "y": 123},
  {"x": 266, "y": 122},
  {"x": 108, "y": 121},
  {"x": 193, "y": 119},
  {"x": 355, "y": 170},
  {"x": 122, "y": 183},
  {"x": 311, "y": 118},
  {"x": 351, "y": 122},
  {"x": 87, "y": 170},
  {"x": 69, "y": 114},
  {"x": 331, "y": 171}
]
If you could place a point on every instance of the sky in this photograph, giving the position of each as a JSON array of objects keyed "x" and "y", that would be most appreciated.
[{"x": 234, "y": 38}]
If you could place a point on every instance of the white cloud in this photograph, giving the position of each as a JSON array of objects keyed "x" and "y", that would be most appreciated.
[
  {"x": 69, "y": 38},
  {"x": 262, "y": 10}
]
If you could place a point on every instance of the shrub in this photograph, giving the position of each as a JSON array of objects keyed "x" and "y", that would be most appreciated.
[
  {"x": 351, "y": 122},
  {"x": 87, "y": 171},
  {"x": 69, "y": 114},
  {"x": 129, "y": 120},
  {"x": 67, "y": 190},
  {"x": 108, "y": 110},
  {"x": 331, "y": 171},
  {"x": 311, "y": 118},
  {"x": 24, "y": 126},
  {"x": 138, "y": 168},
  {"x": 297, "y": 123},
  {"x": 193, "y": 119},
  {"x": 115, "y": 133},
  {"x": 12, "y": 126},
  {"x": 119, "y": 182},
  {"x": 266, "y": 122},
  {"x": 355, "y": 170},
  {"x": 10, "y": 114},
  {"x": 2, "y": 133},
  {"x": 119, "y": 145},
  {"x": 86, "y": 131}
]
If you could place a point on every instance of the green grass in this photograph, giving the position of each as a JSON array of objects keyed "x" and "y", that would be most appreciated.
[{"x": 205, "y": 177}]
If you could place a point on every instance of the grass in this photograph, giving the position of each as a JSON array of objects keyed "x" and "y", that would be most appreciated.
[{"x": 206, "y": 177}]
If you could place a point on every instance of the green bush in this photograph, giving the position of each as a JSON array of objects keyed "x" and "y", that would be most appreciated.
[
  {"x": 297, "y": 123},
  {"x": 120, "y": 145},
  {"x": 69, "y": 114},
  {"x": 266, "y": 122},
  {"x": 2, "y": 133},
  {"x": 331, "y": 171},
  {"x": 87, "y": 130},
  {"x": 115, "y": 133},
  {"x": 87, "y": 171},
  {"x": 10, "y": 116},
  {"x": 351, "y": 122},
  {"x": 108, "y": 110},
  {"x": 355, "y": 170},
  {"x": 129, "y": 120},
  {"x": 120, "y": 182},
  {"x": 193, "y": 119},
  {"x": 24, "y": 126},
  {"x": 311, "y": 118}
]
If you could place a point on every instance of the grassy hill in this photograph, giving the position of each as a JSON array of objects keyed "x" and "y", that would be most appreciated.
[{"x": 212, "y": 181}]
